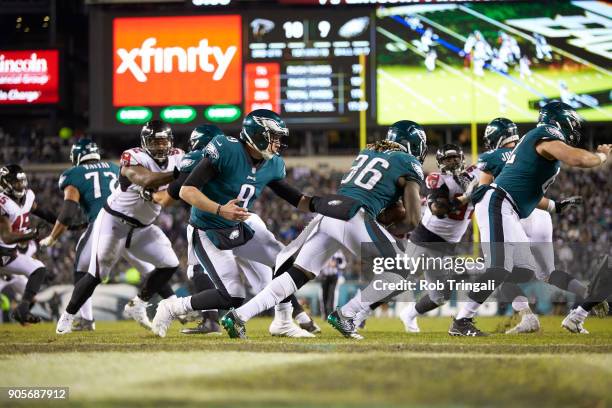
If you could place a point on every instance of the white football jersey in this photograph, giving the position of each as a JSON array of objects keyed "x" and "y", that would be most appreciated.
[
  {"x": 127, "y": 200},
  {"x": 452, "y": 227},
  {"x": 18, "y": 215}
]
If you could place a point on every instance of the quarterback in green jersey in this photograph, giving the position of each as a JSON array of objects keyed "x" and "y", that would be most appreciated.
[
  {"x": 381, "y": 174},
  {"x": 227, "y": 239},
  {"x": 517, "y": 191}
]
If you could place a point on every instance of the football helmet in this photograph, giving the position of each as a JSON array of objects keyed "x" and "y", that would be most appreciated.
[
  {"x": 450, "y": 159},
  {"x": 82, "y": 150},
  {"x": 13, "y": 181},
  {"x": 203, "y": 134},
  {"x": 411, "y": 136},
  {"x": 157, "y": 140},
  {"x": 261, "y": 128},
  {"x": 499, "y": 132},
  {"x": 563, "y": 117}
]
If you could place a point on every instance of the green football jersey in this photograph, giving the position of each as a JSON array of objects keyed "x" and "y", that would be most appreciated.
[
  {"x": 190, "y": 161},
  {"x": 95, "y": 182},
  {"x": 527, "y": 175},
  {"x": 372, "y": 179},
  {"x": 237, "y": 178},
  {"x": 494, "y": 161}
]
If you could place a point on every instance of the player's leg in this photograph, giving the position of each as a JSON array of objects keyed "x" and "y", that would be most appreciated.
[
  {"x": 210, "y": 318},
  {"x": 35, "y": 272},
  {"x": 108, "y": 237},
  {"x": 223, "y": 270},
  {"x": 317, "y": 249},
  {"x": 81, "y": 266}
]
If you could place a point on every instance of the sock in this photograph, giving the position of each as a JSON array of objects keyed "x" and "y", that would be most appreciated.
[
  {"x": 83, "y": 290},
  {"x": 425, "y": 304},
  {"x": 210, "y": 314},
  {"x": 87, "y": 309},
  {"x": 354, "y": 306},
  {"x": 282, "y": 312},
  {"x": 468, "y": 310},
  {"x": 297, "y": 307},
  {"x": 302, "y": 318},
  {"x": 581, "y": 313},
  {"x": 214, "y": 299},
  {"x": 186, "y": 303},
  {"x": 166, "y": 291},
  {"x": 35, "y": 279},
  {"x": 411, "y": 311},
  {"x": 155, "y": 281},
  {"x": 278, "y": 289},
  {"x": 520, "y": 304}
]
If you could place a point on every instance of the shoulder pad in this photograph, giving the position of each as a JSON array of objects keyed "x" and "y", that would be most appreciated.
[{"x": 133, "y": 157}]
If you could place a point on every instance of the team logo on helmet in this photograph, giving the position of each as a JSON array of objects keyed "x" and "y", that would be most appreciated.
[{"x": 271, "y": 124}]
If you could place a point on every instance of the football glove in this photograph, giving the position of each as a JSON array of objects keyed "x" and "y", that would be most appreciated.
[
  {"x": 564, "y": 205},
  {"x": 146, "y": 194},
  {"x": 48, "y": 241}
]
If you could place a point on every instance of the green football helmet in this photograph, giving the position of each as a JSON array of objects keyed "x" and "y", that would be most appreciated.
[
  {"x": 262, "y": 127},
  {"x": 411, "y": 136},
  {"x": 499, "y": 132},
  {"x": 202, "y": 135},
  {"x": 563, "y": 117},
  {"x": 82, "y": 150}
]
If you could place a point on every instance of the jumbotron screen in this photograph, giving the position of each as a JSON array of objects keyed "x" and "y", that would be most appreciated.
[{"x": 459, "y": 63}]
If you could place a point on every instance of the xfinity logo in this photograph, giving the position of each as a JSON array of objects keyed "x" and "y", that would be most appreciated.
[{"x": 140, "y": 61}]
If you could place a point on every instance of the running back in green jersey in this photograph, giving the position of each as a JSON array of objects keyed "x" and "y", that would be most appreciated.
[
  {"x": 527, "y": 175},
  {"x": 236, "y": 178},
  {"x": 372, "y": 179},
  {"x": 494, "y": 161},
  {"x": 95, "y": 182}
]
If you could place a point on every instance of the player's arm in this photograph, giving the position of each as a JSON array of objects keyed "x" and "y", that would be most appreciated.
[
  {"x": 291, "y": 195},
  {"x": 68, "y": 214},
  {"x": 412, "y": 204},
  {"x": 438, "y": 201},
  {"x": 43, "y": 213},
  {"x": 146, "y": 178},
  {"x": 552, "y": 206},
  {"x": 9, "y": 237},
  {"x": 190, "y": 193},
  {"x": 573, "y": 156},
  {"x": 172, "y": 194}
]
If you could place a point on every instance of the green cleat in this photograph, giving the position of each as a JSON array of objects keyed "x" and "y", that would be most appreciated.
[
  {"x": 233, "y": 325},
  {"x": 346, "y": 326}
]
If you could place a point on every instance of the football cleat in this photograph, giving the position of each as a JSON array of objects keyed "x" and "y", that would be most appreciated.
[
  {"x": 137, "y": 310},
  {"x": 23, "y": 315},
  {"x": 465, "y": 327},
  {"x": 64, "y": 324},
  {"x": 167, "y": 311},
  {"x": 346, "y": 326},
  {"x": 310, "y": 327},
  {"x": 408, "y": 316},
  {"x": 206, "y": 327},
  {"x": 573, "y": 323},
  {"x": 529, "y": 324},
  {"x": 233, "y": 325},
  {"x": 80, "y": 324}
]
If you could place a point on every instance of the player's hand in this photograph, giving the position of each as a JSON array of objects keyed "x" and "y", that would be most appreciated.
[
  {"x": 605, "y": 149},
  {"x": 231, "y": 211},
  {"x": 48, "y": 241},
  {"x": 564, "y": 205}
]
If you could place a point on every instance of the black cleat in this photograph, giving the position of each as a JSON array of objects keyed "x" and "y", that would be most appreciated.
[
  {"x": 24, "y": 316},
  {"x": 206, "y": 327},
  {"x": 311, "y": 327},
  {"x": 81, "y": 324},
  {"x": 465, "y": 327}
]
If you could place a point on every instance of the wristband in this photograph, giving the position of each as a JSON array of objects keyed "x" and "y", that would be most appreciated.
[
  {"x": 602, "y": 157},
  {"x": 551, "y": 206},
  {"x": 218, "y": 209}
]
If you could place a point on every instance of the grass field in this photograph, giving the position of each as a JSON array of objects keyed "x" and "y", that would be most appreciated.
[
  {"x": 121, "y": 365},
  {"x": 444, "y": 96}
]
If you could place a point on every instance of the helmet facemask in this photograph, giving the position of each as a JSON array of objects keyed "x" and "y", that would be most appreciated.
[
  {"x": 158, "y": 145},
  {"x": 269, "y": 141},
  {"x": 14, "y": 184}
]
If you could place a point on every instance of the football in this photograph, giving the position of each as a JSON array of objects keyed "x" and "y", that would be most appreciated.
[{"x": 392, "y": 214}]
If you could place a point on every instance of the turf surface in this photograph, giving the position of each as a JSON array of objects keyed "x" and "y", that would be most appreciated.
[{"x": 122, "y": 365}]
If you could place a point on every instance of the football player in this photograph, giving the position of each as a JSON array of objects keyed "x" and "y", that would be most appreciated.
[
  {"x": 501, "y": 136},
  {"x": 519, "y": 188},
  {"x": 381, "y": 174},
  {"x": 226, "y": 238},
  {"x": 86, "y": 186},
  {"x": 126, "y": 223},
  {"x": 445, "y": 221},
  {"x": 17, "y": 238}
]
